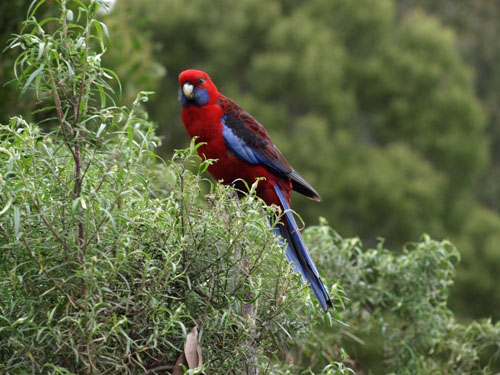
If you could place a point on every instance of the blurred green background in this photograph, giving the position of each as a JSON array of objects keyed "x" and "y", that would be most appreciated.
[{"x": 389, "y": 108}]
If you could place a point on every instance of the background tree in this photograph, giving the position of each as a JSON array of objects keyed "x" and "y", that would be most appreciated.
[
  {"x": 11, "y": 16},
  {"x": 476, "y": 26}
]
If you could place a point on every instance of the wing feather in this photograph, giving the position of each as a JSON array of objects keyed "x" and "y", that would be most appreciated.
[{"x": 249, "y": 140}]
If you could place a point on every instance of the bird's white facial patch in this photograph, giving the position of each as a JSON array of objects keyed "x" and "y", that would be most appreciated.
[{"x": 187, "y": 88}]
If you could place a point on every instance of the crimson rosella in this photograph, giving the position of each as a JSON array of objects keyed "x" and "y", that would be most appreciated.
[{"x": 244, "y": 151}]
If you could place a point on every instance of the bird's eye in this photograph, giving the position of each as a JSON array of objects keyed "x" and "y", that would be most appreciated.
[{"x": 201, "y": 81}]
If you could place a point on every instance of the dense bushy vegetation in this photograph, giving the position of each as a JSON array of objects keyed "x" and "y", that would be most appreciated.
[
  {"x": 110, "y": 255},
  {"x": 397, "y": 307},
  {"x": 371, "y": 100}
]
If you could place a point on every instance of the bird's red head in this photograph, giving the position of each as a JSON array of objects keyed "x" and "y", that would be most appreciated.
[{"x": 196, "y": 88}]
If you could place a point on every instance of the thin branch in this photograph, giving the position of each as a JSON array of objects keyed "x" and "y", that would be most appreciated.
[
  {"x": 54, "y": 232},
  {"x": 107, "y": 171},
  {"x": 199, "y": 323},
  {"x": 159, "y": 368},
  {"x": 105, "y": 218},
  {"x": 94, "y": 151}
]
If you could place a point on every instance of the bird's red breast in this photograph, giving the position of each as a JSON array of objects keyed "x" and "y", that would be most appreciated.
[{"x": 202, "y": 113}]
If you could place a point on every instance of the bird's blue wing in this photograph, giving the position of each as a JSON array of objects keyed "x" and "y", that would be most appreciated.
[{"x": 248, "y": 139}]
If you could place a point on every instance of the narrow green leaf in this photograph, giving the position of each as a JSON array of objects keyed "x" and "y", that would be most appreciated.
[
  {"x": 82, "y": 5},
  {"x": 31, "y": 78},
  {"x": 105, "y": 29},
  {"x": 74, "y": 205},
  {"x": 44, "y": 109},
  {"x": 17, "y": 219},
  {"x": 115, "y": 77},
  {"x": 46, "y": 20},
  {"x": 20, "y": 321},
  {"x": 110, "y": 217},
  {"x": 48, "y": 151},
  {"x": 6, "y": 207},
  {"x": 37, "y": 85},
  {"x": 51, "y": 315},
  {"x": 102, "y": 95},
  {"x": 101, "y": 128},
  {"x": 33, "y": 8},
  {"x": 71, "y": 73},
  {"x": 41, "y": 48},
  {"x": 130, "y": 132},
  {"x": 98, "y": 28}
]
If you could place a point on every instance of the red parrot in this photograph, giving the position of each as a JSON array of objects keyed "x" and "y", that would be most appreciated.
[{"x": 244, "y": 151}]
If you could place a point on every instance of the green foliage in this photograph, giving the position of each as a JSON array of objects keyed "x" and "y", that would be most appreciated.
[
  {"x": 369, "y": 179},
  {"x": 148, "y": 267},
  {"x": 11, "y": 15},
  {"x": 370, "y": 100},
  {"x": 402, "y": 300},
  {"x": 418, "y": 86},
  {"x": 107, "y": 258},
  {"x": 388, "y": 82},
  {"x": 413, "y": 146},
  {"x": 139, "y": 68},
  {"x": 475, "y": 24},
  {"x": 477, "y": 274},
  {"x": 109, "y": 255}
]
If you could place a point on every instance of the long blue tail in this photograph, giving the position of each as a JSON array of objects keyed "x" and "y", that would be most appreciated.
[{"x": 297, "y": 253}]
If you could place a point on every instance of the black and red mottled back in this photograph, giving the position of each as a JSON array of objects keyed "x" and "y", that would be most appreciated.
[
  {"x": 251, "y": 132},
  {"x": 254, "y": 135}
]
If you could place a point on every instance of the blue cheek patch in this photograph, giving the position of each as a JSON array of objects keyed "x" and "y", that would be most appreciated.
[
  {"x": 201, "y": 97},
  {"x": 182, "y": 99}
]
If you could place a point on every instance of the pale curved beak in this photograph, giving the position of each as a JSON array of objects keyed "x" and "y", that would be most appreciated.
[{"x": 187, "y": 89}]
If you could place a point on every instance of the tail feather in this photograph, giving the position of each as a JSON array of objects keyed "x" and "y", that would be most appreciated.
[{"x": 297, "y": 253}]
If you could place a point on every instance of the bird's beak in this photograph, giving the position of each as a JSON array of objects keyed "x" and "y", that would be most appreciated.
[{"x": 188, "y": 90}]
